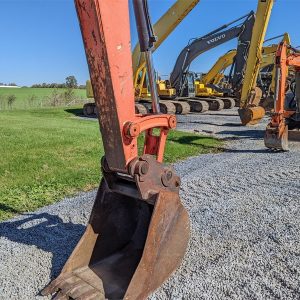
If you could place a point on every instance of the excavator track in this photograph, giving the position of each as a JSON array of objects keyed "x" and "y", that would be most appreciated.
[
  {"x": 182, "y": 108},
  {"x": 197, "y": 106},
  {"x": 167, "y": 107},
  {"x": 144, "y": 106},
  {"x": 90, "y": 110},
  {"x": 213, "y": 104},
  {"x": 141, "y": 109},
  {"x": 228, "y": 103}
]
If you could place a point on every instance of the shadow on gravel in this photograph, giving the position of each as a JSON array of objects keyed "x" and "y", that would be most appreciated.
[
  {"x": 221, "y": 115},
  {"x": 48, "y": 233},
  {"x": 213, "y": 124},
  {"x": 255, "y": 134},
  {"x": 247, "y": 151}
]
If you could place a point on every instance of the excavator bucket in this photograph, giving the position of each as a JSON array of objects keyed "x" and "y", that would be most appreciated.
[
  {"x": 251, "y": 115},
  {"x": 128, "y": 249},
  {"x": 276, "y": 139}
]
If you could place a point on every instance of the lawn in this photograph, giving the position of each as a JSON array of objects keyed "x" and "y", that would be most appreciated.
[
  {"x": 47, "y": 154},
  {"x": 33, "y": 97}
]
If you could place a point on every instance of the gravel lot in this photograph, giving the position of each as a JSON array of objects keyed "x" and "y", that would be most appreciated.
[{"x": 245, "y": 223}]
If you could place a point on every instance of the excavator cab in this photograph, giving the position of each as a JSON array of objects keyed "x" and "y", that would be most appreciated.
[{"x": 138, "y": 230}]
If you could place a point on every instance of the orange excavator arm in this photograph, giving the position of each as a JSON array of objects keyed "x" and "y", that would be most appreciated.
[
  {"x": 138, "y": 229},
  {"x": 276, "y": 135}
]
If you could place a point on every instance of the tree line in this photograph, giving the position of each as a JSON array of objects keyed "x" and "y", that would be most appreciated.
[
  {"x": 71, "y": 83},
  {"x": 8, "y": 84}
]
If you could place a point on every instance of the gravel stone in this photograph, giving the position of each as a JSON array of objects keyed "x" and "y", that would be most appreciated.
[{"x": 245, "y": 223}]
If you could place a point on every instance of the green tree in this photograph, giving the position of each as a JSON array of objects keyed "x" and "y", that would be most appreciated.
[{"x": 71, "y": 82}]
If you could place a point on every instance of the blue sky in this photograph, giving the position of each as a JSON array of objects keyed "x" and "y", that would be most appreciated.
[{"x": 41, "y": 41}]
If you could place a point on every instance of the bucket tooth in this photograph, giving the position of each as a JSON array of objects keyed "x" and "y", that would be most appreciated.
[
  {"x": 276, "y": 139},
  {"x": 61, "y": 296},
  {"x": 251, "y": 115}
]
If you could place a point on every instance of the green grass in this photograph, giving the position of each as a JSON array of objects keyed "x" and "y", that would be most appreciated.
[
  {"x": 32, "y": 97},
  {"x": 46, "y": 154}
]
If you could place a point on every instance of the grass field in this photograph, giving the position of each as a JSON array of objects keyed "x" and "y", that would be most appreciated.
[
  {"x": 33, "y": 97},
  {"x": 46, "y": 154}
]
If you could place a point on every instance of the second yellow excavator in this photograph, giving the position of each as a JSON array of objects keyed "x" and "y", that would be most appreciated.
[{"x": 250, "y": 112}]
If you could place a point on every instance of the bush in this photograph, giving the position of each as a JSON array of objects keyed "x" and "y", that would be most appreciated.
[
  {"x": 55, "y": 99},
  {"x": 69, "y": 95},
  {"x": 31, "y": 100},
  {"x": 10, "y": 100},
  {"x": 2, "y": 102}
]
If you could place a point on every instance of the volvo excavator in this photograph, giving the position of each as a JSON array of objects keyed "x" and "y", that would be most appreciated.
[
  {"x": 183, "y": 85},
  {"x": 266, "y": 78},
  {"x": 162, "y": 28},
  {"x": 286, "y": 115},
  {"x": 138, "y": 229}
]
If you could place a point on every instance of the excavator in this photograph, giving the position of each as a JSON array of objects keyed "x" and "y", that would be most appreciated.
[
  {"x": 250, "y": 95},
  {"x": 138, "y": 230},
  {"x": 267, "y": 73},
  {"x": 215, "y": 75},
  {"x": 162, "y": 28},
  {"x": 286, "y": 116},
  {"x": 183, "y": 85}
]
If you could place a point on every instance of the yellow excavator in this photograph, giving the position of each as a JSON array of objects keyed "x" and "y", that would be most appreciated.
[
  {"x": 250, "y": 95},
  {"x": 162, "y": 28}
]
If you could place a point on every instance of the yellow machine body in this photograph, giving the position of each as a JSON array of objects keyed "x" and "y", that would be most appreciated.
[{"x": 247, "y": 101}]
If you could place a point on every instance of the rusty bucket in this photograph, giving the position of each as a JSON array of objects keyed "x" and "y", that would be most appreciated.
[
  {"x": 276, "y": 139},
  {"x": 130, "y": 247}
]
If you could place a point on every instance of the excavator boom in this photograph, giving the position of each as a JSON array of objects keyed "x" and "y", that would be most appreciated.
[
  {"x": 222, "y": 63},
  {"x": 207, "y": 42},
  {"x": 162, "y": 28},
  {"x": 249, "y": 111},
  {"x": 138, "y": 229}
]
